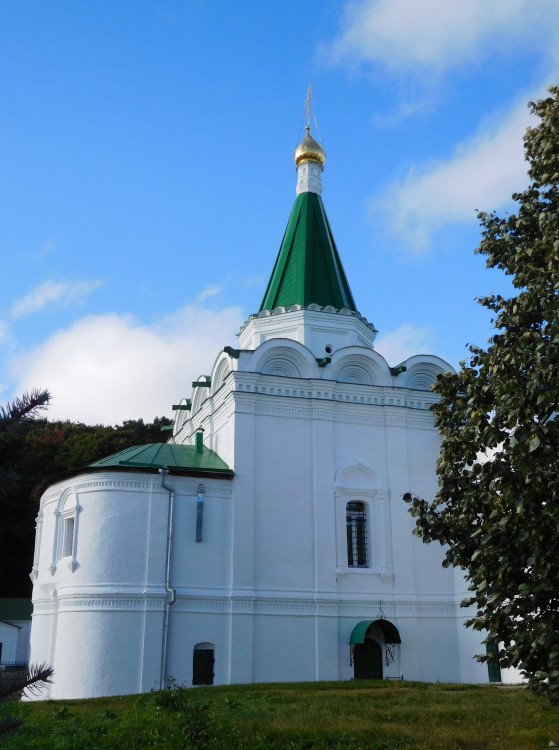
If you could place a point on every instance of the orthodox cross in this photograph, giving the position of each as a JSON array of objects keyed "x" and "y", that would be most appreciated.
[{"x": 308, "y": 105}]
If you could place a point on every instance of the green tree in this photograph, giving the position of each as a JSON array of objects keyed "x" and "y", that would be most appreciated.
[
  {"x": 21, "y": 409},
  {"x": 16, "y": 418},
  {"x": 15, "y": 415},
  {"x": 497, "y": 509},
  {"x": 36, "y": 450}
]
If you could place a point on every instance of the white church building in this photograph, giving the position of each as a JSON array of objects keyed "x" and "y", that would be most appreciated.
[{"x": 267, "y": 540}]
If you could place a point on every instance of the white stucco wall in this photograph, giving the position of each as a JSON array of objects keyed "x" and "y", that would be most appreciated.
[
  {"x": 269, "y": 586},
  {"x": 8, "y": 639}
]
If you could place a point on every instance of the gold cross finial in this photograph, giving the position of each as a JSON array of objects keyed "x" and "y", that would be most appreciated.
[{"x": 308, "y": 106}]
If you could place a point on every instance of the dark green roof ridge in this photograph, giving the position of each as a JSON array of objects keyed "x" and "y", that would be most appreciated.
[{"x": 308, "y": 268}]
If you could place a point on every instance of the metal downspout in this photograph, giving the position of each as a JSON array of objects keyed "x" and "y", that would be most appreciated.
[{"x": 170, "y": 593}]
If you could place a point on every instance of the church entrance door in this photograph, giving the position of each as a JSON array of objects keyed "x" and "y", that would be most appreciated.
[
  {"x": 367, "y": 660},
  {"x": 203, "y": 666}
]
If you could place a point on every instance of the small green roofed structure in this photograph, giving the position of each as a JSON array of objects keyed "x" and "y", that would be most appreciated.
[
  {"x": 389, "y": 631},
  {"x": 308, "y": 268},
  {"x": 184, "y": 458},
  {"x": 15, "y": 609}
]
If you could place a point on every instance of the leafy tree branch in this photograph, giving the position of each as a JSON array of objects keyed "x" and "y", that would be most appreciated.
[{"x": 497, "y": 509}]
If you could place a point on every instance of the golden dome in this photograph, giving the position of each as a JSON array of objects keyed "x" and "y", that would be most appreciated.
[{"x": 309, "y": 150}]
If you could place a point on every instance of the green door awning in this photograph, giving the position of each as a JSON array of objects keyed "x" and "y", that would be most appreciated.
[{"x": 389, "y": 631}]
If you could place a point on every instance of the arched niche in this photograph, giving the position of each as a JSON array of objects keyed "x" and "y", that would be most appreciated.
[
  {"x": 198, "y": 398},
  {"x": 221, "y": 370},
  {"x": 357, "y": 477},
  {"x": 284, "y": 358},
  {"x": 422, "y": 371},
  {"x": 360, "y": 366}
]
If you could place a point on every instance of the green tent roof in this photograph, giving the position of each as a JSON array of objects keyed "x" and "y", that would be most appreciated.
[
  {"x": 167, "y": 456},
  {"x": 308, "y": 268}
]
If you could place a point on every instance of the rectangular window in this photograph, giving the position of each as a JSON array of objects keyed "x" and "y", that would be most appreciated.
[
  {"x": 356, "y": 527},
  {"x": 68, "y": 537}
]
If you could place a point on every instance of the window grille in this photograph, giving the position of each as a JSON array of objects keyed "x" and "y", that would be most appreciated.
[{"x": 356, "y": 526}]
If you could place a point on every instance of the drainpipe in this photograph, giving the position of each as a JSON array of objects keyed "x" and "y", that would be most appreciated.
[{"x": 170, "y": 593}]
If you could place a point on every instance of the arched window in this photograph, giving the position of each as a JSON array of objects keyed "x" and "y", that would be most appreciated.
[
  {"x": 356, "y": 527},
  {"x": 66, "y": 534}
]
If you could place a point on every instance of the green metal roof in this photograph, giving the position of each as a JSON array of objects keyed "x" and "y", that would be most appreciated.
[
  {"x": 308, "y": 268},
  {"x": 389, "y": 631},
  {"x": 15, "y": 609},
  {"x": 167, "y": 456}
]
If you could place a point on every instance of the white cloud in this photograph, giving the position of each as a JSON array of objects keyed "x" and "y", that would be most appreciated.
[
  {"x": 482, "y": 174},
  {"x": 209, "y": 291},
  {"x": 406, "y": 341},
  {"x": 63, "y": 292},
  {"x": 435, "y": 35},
  {"x": 107, "y": 368}
]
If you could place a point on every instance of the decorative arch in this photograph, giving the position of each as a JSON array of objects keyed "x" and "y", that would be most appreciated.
[
  {"x": 283, "y": 357},
  {"x": 422, "y": 371},
  {"x": 221, "y": 371},
  {"x": 359, "y": 477},
  {"x": 423, "y": 377},
  {"x": 356, "y": 364},
  {"x": 284, "y": 366},
  {"x": 199, "y": 395},
  {"x": 355, "y": 373}
]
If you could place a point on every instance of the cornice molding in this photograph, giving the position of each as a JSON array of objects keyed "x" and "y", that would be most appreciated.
[
  {"x": 353, "y": 413},
  {"x": 277, "y": 605}
]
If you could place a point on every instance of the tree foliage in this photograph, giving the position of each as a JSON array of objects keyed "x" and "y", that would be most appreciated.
[
  {"x": 14, "y": 686},
  {"x": 13, "y": 415},
  {"x": 497, "y": 509},
  {"x": 35, "y": 450},
  {"x": 23, "y": 408}
]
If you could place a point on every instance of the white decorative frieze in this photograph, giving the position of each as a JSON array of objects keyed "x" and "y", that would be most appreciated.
[
  {"x": 121, "y": 483},
  {"x": 113, "y": 602}
]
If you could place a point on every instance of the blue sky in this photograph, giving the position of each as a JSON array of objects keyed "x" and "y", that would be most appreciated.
[{"x": 147, "y": 175}]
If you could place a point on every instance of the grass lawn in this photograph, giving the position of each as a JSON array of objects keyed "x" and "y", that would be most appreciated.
[{"x": 358, "y": 715}]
